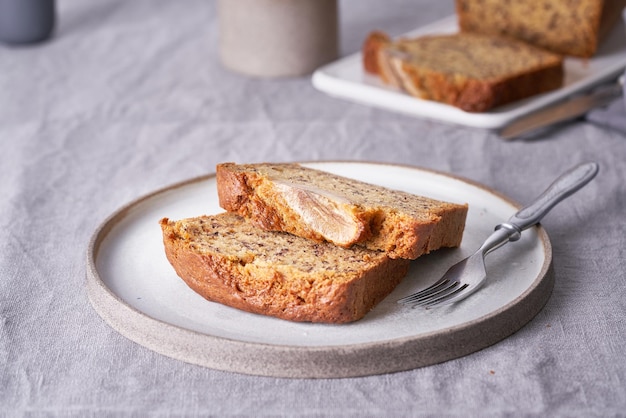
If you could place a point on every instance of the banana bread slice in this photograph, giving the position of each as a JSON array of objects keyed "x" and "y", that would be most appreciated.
[
  {"x": 566, "y": 27},
  {"x": 227, "y": 260},
  {"x": 473, "y": 72},
  {"x": 322, "y": 206}
]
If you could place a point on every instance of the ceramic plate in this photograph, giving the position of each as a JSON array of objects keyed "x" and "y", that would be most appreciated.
[
  {"x": 346, "y": 79},
  {"x": 133, "y": 287}
]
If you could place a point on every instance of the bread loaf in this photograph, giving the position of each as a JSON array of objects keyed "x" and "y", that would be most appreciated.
[
  {"x": 228, "y": 260},
  {"x": 470, "y": 71},
  {"x": 325, "y": 207},
  {"x": 566, "y": 27}
]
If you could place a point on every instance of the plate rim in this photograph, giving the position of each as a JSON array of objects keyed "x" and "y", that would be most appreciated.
[{"x": 327, "y": 361}]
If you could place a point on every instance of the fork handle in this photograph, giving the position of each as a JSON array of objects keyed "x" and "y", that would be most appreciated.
[{"x": 564, "y": 186}]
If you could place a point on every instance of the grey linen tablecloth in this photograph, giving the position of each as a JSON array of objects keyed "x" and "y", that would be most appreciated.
[{"x": 129, "y": 97}]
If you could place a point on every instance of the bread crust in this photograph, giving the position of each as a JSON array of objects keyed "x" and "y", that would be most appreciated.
[
  {"x": 477, "y": 95},
  {"x": 275, "y": 289},
  {"x": 372, "y": 46}
]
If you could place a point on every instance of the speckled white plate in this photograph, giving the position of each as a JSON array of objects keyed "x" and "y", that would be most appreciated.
[
  {"x": 133, "y": 287},
  {"x": 346, "y": 79}
]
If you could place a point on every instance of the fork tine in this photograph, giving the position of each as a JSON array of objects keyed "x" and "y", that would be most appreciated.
[
  {"x": 445, "y": 299},
  {"x": 443, "y": 290},
  {"x": 424, "y": 292},
  {"x": 453, "y": 288}
]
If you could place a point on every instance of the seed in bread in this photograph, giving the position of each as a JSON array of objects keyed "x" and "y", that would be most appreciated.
[
  {"x": 323, "y": 206},
  {"x": 227, "y": 260}
]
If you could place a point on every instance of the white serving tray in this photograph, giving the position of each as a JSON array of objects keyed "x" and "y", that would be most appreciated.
[{"x": 346, "y": 79}]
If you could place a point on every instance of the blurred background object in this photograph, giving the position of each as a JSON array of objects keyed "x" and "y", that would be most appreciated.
[
  {"x": 26, "y": 21},
  {"x": 277, "y": 38}
]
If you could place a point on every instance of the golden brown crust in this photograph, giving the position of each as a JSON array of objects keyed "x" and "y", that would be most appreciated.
[
  {"x": 371, "y": 49},
  {"x": 480, "y": 96},
  {"x": 283, "y": 288},
  {"x": 398, "y": 223},
  {"x": 235, "y": 192}
]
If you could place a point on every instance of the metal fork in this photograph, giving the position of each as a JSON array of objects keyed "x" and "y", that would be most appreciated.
[{"x": 465, "y": 277}]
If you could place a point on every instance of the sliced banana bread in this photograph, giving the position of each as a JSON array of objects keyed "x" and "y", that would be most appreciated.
[
  {"x": 562, "y": 26},
  {"x": 470, "y": 71},
  {"x": 227, "y": 260},
  {"x": 322, "y": 206}
]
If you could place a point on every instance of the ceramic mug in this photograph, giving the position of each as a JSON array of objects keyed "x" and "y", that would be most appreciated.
[{"x": 277, "y": 38}]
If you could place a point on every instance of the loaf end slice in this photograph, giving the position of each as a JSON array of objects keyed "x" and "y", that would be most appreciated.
[
  {"x": 229, "y": 261},
  {"x": 323, "y": 206}
]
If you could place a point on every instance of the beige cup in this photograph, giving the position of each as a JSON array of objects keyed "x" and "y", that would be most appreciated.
[{"x": 277, "y": 38}]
